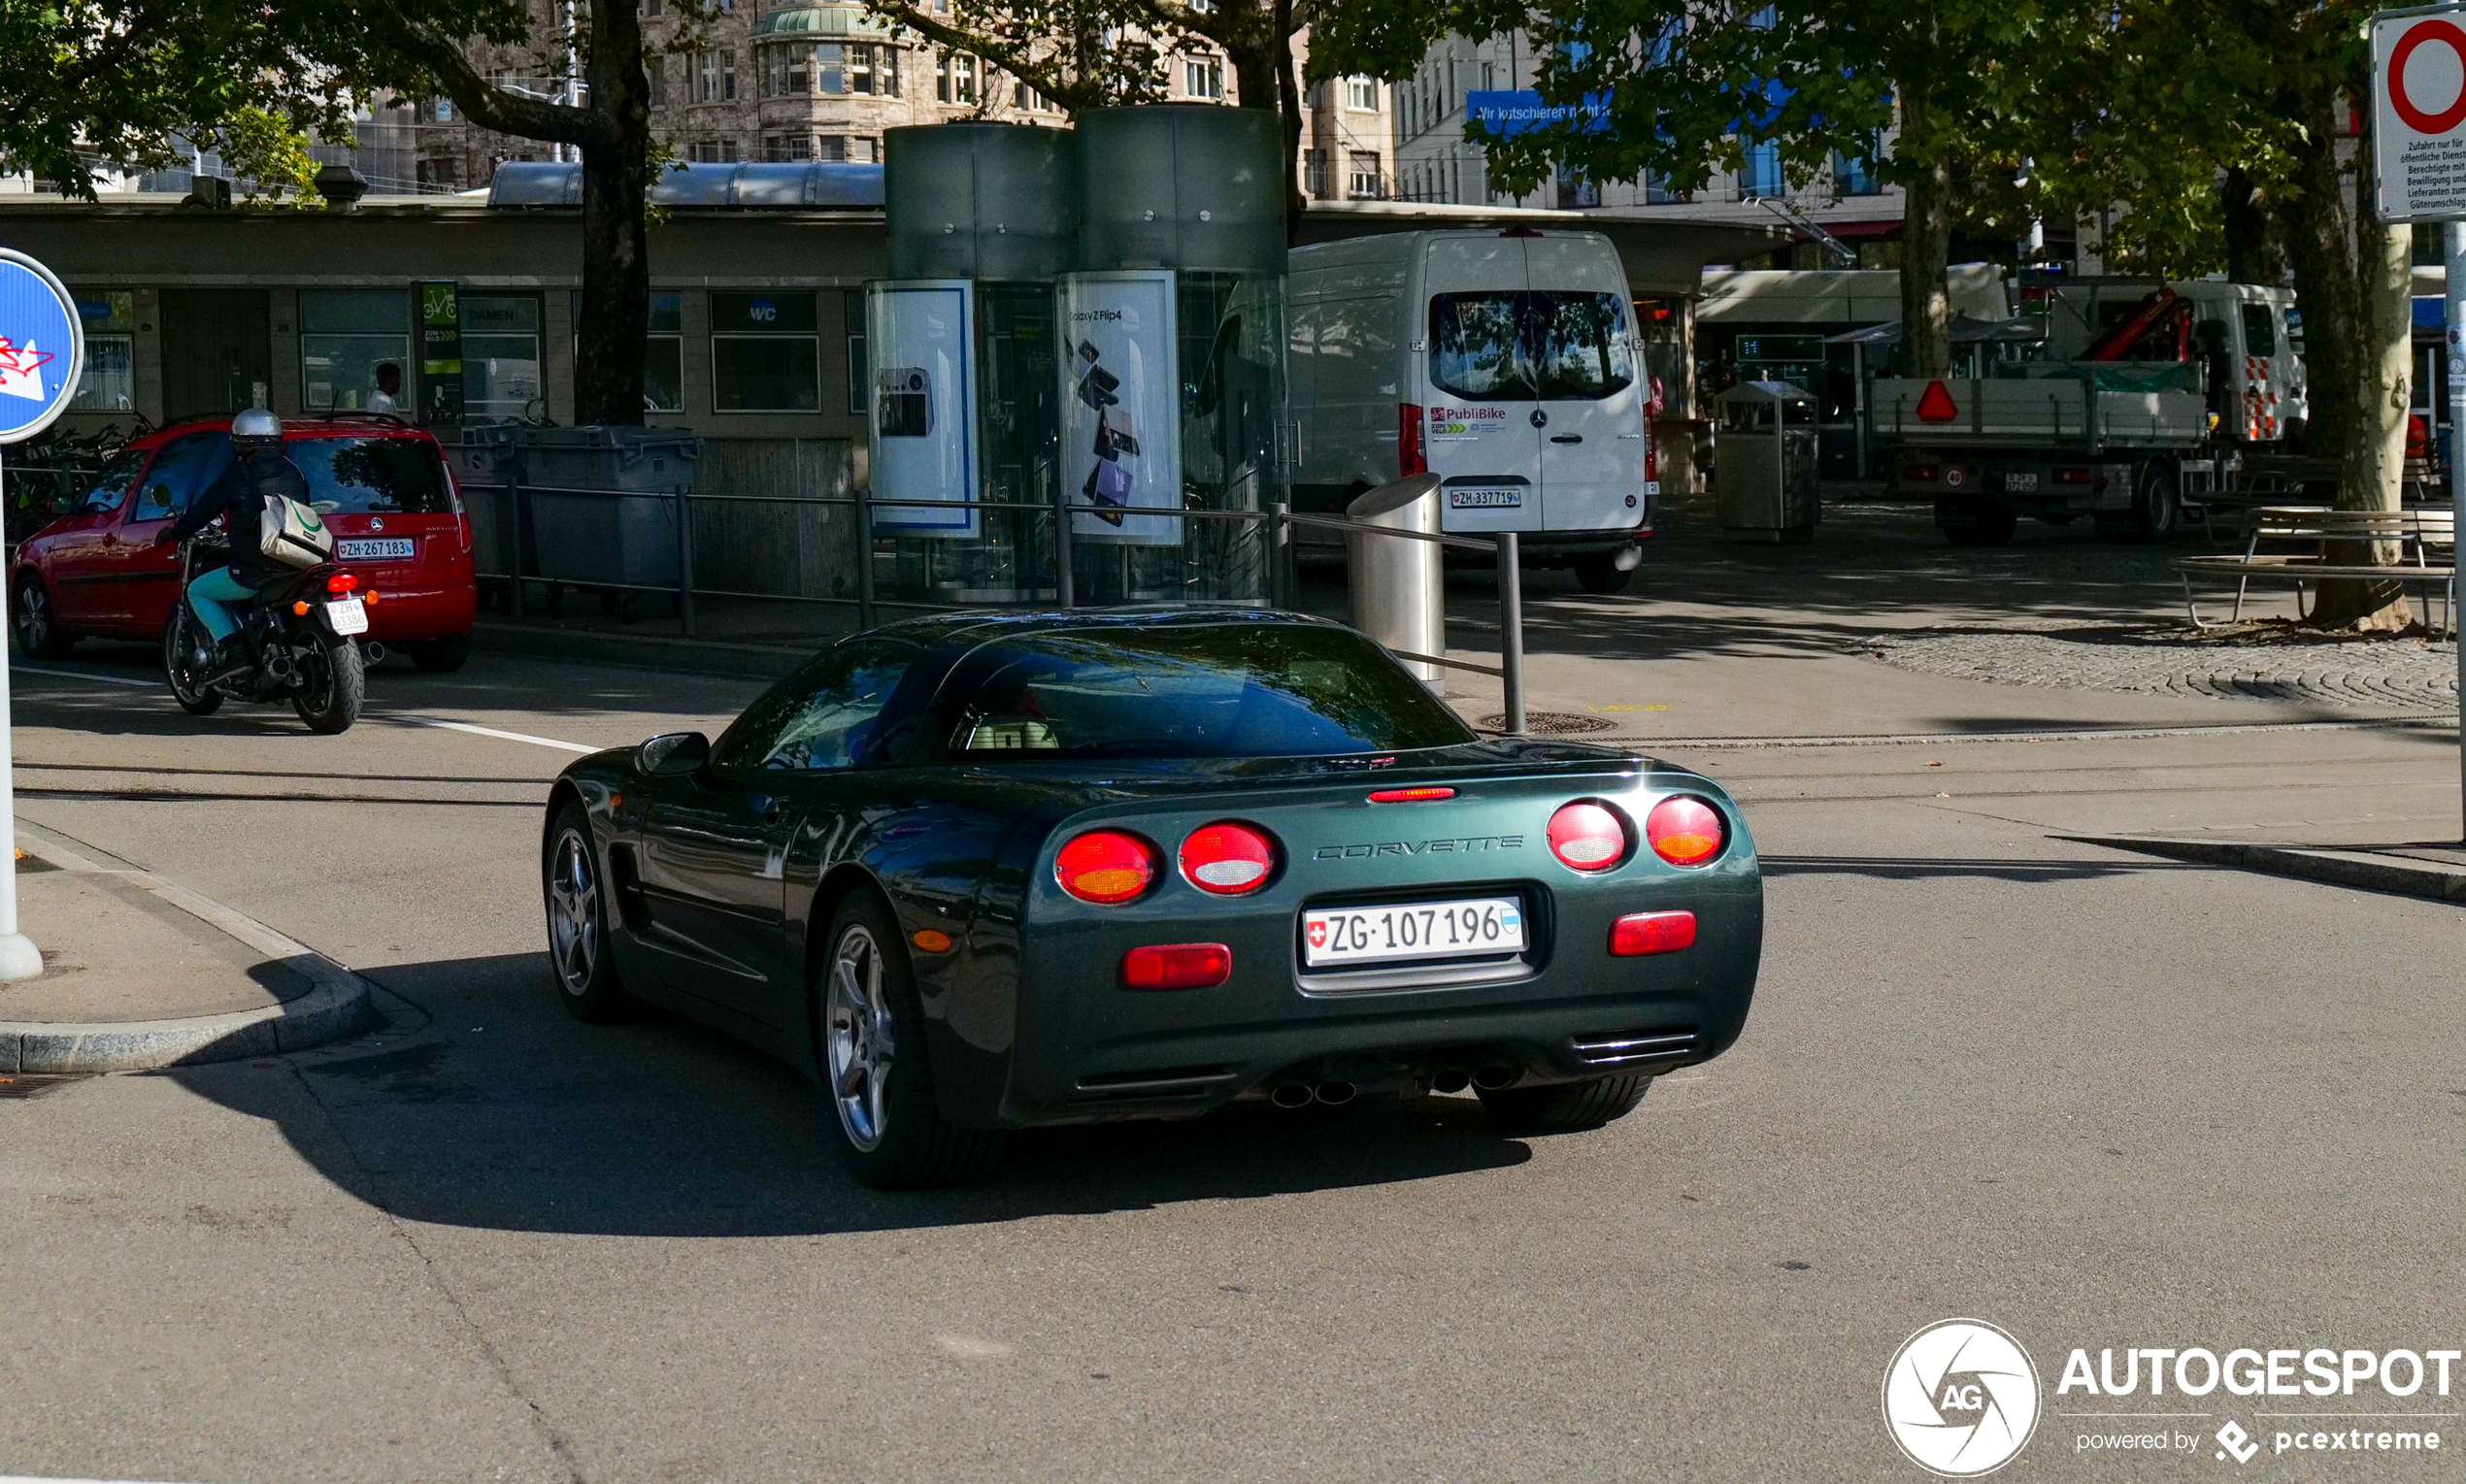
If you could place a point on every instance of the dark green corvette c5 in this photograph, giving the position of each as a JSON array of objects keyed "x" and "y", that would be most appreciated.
[{"x": 980, "y": 873}]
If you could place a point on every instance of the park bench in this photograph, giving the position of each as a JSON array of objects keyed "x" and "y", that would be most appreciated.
[{"x": 2295, "y": 543}]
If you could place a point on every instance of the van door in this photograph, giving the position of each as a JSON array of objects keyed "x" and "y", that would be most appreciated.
[
  {"x": 2264, "y": 379},
  {"x": 1582, "y": 342},
  {"x": 1481, "y": 423}
]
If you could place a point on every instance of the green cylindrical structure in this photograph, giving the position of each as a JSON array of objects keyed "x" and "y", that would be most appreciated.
[
  {"x": 1195, "y": 187},
  {"x": 984, "y": 201}
]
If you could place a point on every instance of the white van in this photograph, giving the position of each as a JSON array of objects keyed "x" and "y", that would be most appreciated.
[{"x": 1506, "y": 362}]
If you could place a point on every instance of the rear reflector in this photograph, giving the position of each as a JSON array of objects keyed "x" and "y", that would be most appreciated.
[
  {"x": 1936, "y": 404},
  {"x": 1643, "y": 932},
  {"x": 1176, "y": 965},
  {"x": 1411, "y": 795},
  {"x": 1412, "y": 457},
  {"x": 1105, "y": 866},
  {"x": 1686, "y": 831},
  {"x": 1228, "y": 859},
  {"x": 2072, "y": 475},
  {"x": 1587, "y": 837},
  {"x": 1918, "y": 474}
]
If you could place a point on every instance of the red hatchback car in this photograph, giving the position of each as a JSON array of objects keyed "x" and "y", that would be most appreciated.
[{"x": 382, "y": 485}]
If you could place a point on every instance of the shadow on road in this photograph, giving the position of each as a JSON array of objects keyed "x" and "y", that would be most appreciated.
[{"x": 503, "y": 1113}]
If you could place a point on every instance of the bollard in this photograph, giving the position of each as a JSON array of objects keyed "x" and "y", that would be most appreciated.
[
  {"x": 1511, "y": 630},
  {"x": 1397, "y": 584},
  {"x": 1280, "y": 549},
  {"x": 685, "y": 563},
  {"x": 1063, "y": 596},
  {"x": 864, "y": 558}
]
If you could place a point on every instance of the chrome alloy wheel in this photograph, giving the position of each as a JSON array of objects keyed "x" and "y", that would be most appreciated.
[
  {"x": 573, "y": 912},
  {"x": 861, "y": 1044},
  {"x": 33, "y": 619}
]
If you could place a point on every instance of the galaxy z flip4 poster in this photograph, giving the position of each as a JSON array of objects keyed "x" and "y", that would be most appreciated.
[
  {"x": 921, "y": 337},
  {"x": 1121, "y": 408}
]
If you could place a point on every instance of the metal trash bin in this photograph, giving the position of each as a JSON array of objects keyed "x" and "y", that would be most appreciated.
[
  {"x": 1765, "y": 470},
  {"x": 1398, "y": 585},
  {"x": 622, "y": 532}
]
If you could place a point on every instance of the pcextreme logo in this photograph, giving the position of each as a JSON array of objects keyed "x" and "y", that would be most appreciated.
[{"x": 1960, "y": 1397}]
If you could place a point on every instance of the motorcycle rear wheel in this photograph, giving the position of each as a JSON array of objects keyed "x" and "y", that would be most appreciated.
[
  {"x": 179, "y": 636},
  {"x": 333, "y": 681}
]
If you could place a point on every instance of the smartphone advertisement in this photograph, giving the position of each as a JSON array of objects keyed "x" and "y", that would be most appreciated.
[
  {"x": 922, "y": 406},
  {"x": 1121, "y": 408}
]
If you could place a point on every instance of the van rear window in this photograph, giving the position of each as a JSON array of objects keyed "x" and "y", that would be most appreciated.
[{"x": 1549, "y": 345}]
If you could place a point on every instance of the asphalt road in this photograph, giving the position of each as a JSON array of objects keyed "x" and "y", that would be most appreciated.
[{"x": 2099, "y": 1100}]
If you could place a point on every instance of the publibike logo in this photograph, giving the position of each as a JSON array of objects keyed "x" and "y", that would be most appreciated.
[{"x": 1960, "y": 1397}]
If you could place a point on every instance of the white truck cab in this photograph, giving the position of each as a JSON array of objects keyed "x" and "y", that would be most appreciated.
[{"x": 1505, "y": 362}]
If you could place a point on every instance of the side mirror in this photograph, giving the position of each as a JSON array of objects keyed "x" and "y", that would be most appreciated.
[{"x": 673, "y": 754}]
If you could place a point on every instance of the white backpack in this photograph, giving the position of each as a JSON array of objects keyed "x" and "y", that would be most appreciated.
[{"x": 293, "y": 534}]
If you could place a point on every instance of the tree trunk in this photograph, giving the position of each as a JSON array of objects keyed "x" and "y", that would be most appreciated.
[
  {"x": 2253, "y": 252},
  {"x": 1263, "y": 72},
  {"x": 1926, "y": 247},
  {"x": 614, "y": 326}
]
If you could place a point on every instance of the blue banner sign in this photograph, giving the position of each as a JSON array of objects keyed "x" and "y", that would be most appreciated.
[{"x": 1504, "y": 115}]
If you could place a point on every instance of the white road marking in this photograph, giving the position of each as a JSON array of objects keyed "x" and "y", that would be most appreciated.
[
  {"x": 416, "y": 721},
  {"x": 479, "y": 731}
]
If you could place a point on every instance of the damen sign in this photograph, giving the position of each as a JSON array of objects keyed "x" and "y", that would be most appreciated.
[{"x": 2419, "y": 114}]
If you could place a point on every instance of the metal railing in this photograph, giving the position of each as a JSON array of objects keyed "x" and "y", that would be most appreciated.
[{"x": 1284, "y": 579}]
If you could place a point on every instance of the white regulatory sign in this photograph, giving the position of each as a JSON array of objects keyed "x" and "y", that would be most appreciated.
[{"x": 2419, "y": 115}]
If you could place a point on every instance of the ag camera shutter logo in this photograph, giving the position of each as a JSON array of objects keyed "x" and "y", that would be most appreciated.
[{"x": 1960, "y": 1399}]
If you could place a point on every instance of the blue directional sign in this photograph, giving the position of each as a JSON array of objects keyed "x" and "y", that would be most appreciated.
[{"x": 42, "y": 346}]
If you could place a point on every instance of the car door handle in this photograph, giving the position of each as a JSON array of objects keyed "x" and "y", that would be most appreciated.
[{"x": 1566, "y": 438}]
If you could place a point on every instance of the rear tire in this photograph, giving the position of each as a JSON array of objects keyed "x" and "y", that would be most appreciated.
[
  {"x": 440, "y": 656},
  {"x": 38, "y": 636},
  {"x": 2157, "y": 505},
  {"x": 1560, "y": 1107},
  {"x": 575, "y": 895},
  {"x": 179, "y": 636},
  {"x": 329, "y": 703},
  {"x": 1598, "y": 572},
  {"x": 877, "y": 1098}
]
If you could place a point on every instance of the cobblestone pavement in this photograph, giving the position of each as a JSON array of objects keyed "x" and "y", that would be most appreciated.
[{"x": 2272, "y": 665}]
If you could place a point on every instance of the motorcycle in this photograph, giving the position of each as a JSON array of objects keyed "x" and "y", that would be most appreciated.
[{"x": 299, "y": 635}]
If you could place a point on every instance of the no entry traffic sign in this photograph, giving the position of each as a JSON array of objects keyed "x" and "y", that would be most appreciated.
[
  {"x": 2419, "y": 114},
  {"x": 42, "y": 346}
]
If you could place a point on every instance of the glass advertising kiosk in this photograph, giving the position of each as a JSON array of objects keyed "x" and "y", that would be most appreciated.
[{"x": 1090, "y": 320}]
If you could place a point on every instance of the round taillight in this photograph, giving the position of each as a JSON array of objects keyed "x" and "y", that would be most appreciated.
[
  {"x": 1587, "y": 837},
  {"x": 1105, "y": 866},
  {"x": 1228, "y": 859},
  {"x": 1686, "y": 831}
]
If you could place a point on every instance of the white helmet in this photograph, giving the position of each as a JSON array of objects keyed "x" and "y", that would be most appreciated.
[{"x": 256, "y": 425}]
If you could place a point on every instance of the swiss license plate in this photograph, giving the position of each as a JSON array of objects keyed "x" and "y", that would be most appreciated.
[
  {"x": 1485, "y": 499},
  {"x": 2021, "y": 483},
  {"x": 347, "y": 617},
  {"x": 1412, "y": 930},
  {"x": 376, "y": 549}
]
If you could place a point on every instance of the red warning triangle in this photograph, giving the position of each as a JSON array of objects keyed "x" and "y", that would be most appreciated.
[{"x": 1937, "y": 404}]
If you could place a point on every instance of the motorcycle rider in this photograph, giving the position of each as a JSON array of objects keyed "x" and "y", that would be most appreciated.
[{"x": 259, "y": 468}]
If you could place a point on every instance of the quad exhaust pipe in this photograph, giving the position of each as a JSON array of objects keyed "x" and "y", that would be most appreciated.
[
  {"x": 1335, "y": 1092},
  {"x": 1493, "y": 1078}
]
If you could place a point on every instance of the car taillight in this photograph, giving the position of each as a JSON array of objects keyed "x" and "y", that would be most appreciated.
[
  {"x": 341, "y": 582},
  {"x": 1651, "y": 449},
  {"x": 1106, "y": 866},
  {"x": 1228, "y": 859},
  {"x": 1410, "y": 795},
  {"x": 1639, "y": 933},
  {"x": 1410, "y": 457},
  {"x": 1686, "y": 831},
  {"x": 1587, "y": 837},
  {"x": 1919, "y": 474},
  {"x": 2072, "y": 475},
  {"x": 1176, "y": 965}
]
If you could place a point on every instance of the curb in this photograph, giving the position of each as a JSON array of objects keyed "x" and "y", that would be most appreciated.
[
  {"x": 338, "y": 1006},
  {"x": 2369, "y": 870},
  {"x": 644, "y": 651}
]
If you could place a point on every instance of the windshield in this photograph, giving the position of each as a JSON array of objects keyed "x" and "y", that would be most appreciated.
[
  {"x": 372, "y": 475},
  {"x": 1549, "y": 345},
  {"x": 1228, "y": 690}
]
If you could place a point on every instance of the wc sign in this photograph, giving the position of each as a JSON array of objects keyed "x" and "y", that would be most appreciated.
[
  {"x": 42, "y": 346},
  {"x": 2418, "y": 114}
]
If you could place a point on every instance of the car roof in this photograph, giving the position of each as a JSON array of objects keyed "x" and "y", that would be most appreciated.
[
  {"x": 298, "y": 428},
  {"x": 939, "y": 629}
]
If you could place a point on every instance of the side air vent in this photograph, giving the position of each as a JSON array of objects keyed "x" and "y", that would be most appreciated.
[{"x": 1631, "y": 1048}]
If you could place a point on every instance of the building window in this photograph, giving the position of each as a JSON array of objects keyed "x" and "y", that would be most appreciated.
[
  {"x": 787, "y": 71},
  {"x": 707, "y": 64},
  {"x": 1854, "y": 176},
  {"x": 954, "y": 79},
  {"x": 1362, "y": 93},
  {"x": 1029, "y": 99},
  {"x": 656, "y": 68},
  {"x": 1202, "y": 76},
  {"x": 1314, "y": 173},
  {"x": 1760, "y": 172},
  {"x": 347, "y": 336},
  {"x": 663, "y": 353},
  {"x": 852, "y": 307},
  {"x": 109, "y": 382},
  {"x": 1574, "y": 192},
  {"x": 500, "y": 356},
  {"x": 766, "y": 354},
  {"x": 787, "y": 147},
  {"x": 1314, "y": 96},
  {"x": 727, "y": 77},
  {"x": 1365, "y": 184},
  {"x": 652, "y": 10},
  {"x": 831, "y": 148}
]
